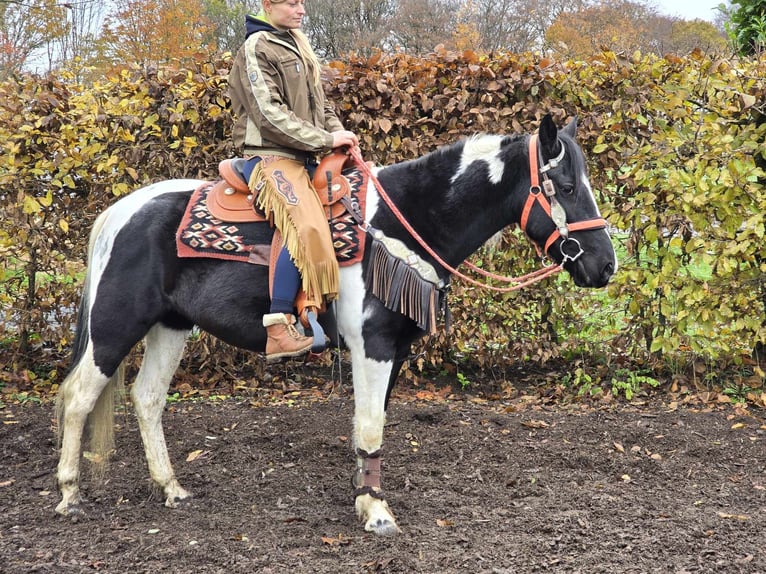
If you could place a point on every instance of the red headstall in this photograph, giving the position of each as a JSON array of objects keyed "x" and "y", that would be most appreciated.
[{"x": 546, "y": 197}]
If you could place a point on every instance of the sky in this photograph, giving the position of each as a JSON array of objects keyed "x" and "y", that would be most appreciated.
[{"x": 689, "y": 9}]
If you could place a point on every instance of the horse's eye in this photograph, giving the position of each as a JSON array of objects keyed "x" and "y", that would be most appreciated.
[{"x": 567, "y": 190}]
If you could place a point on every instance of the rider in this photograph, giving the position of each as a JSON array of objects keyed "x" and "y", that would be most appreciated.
[{"x": 282, "y": 121}]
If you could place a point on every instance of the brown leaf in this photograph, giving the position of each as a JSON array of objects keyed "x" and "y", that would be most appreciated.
[
  {"x": 339, "y": 541},
  {"x": 741, "y": 517},
  {"x": 536, "y": 424},
  {"x": 195, "y": 454}
]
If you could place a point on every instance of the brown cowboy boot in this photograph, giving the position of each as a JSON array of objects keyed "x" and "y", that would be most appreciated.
[{"x": 284, "y": 340}]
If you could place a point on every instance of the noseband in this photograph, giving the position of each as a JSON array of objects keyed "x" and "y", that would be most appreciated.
[{"x": 546, "y": 197}]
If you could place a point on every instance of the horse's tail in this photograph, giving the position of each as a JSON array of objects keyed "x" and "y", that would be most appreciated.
[
  {"x": 101, "y": 423},
  {"x": 101, "y": 418}
]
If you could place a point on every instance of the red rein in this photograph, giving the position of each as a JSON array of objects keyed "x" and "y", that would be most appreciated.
[{"x": 535, "y": 195}]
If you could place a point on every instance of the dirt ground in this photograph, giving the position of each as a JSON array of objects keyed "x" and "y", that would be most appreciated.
[{"x": 477, "y": 486}]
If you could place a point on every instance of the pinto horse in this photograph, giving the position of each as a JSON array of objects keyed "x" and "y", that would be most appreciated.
[{"x": 455, "y": 197}]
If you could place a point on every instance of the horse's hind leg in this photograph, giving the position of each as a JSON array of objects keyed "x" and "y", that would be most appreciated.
[
  {"x": 164, "y": 348},
  {"x": 77, "y": 398}
]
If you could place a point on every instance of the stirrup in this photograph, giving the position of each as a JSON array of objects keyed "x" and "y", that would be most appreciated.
[{"x": 319, "y": 341}]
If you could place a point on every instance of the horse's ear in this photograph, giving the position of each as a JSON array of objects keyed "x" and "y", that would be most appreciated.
[
  {"x": 549, "y": 137},
  {"x": 571, "y": 128}
]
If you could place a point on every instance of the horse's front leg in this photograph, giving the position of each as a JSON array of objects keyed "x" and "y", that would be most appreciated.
[{"x": 371, "y": 379}]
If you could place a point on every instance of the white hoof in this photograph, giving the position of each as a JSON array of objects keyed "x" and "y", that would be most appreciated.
[
  {"x": 376, "y": 515},
  {"x": 176, "y": 495},
  {"x": 72, "y": 510},
  {"x": 70, "y": 504},
  {"x": 382, "y": 527}
]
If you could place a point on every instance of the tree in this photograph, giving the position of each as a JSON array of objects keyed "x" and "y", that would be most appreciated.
[
  {"x": 227, "y": 23},
  {"x": 25, "y": 27},
  {"x": 335, "y": 28},
  {"x": 510, "y": 25},
  {"x": 419, "y": 25},
  {"x": 688, "y": 35},
  {"x": 150, "y": 32},
  {"x": 747, "y": 26},
  {"x": 619, "y": 25},
  {"x": 84, "y": 19}
]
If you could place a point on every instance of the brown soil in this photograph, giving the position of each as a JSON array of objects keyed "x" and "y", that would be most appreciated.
[{"x": 496, "y": 487}]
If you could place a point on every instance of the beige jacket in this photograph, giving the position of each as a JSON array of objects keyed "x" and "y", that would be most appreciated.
[{"x": 277, "y": 108}]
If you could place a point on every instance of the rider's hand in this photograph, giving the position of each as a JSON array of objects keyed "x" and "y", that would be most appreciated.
[{"x": 344, "y": 138}]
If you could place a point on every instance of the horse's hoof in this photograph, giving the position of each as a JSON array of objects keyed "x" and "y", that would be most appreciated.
[
  {"x": 382, "y": 527},
  {"x": 179, "y": 501},
  {"x": 73, "y": 511}
]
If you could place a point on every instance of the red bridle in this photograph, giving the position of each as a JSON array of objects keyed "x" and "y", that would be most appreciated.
[
  {"x": 552, "y": 208},
  {"x": 546, "y": 197}
]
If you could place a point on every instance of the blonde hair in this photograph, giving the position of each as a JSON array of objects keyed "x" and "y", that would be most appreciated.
[{"x": 308, "y": 56}]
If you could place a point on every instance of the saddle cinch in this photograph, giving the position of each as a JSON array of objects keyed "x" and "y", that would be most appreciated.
[{"x": 231, "y": 200}]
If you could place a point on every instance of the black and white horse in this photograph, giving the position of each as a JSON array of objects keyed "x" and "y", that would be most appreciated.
[{"x": 456, "y": 198}]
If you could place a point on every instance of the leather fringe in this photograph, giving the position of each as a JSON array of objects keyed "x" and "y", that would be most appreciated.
[
  {"x": 319, "y": 277},
  {"x": 401, "y": 288}
]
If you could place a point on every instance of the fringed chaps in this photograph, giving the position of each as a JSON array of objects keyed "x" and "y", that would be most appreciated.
[{"x": 284, "y": 191}]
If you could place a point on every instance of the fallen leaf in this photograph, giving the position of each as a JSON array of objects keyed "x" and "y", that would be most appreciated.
[
  {"x": 7, "y": 483},
  {"x": 339, "y": 541},
  {"x": 535, "y": 424},
  {"x": 444, "y": 523},
  {"x": 195, "y": 454},
  {"x": 741, "y": 517},
  {"x": 736, "y": 426},
  {"x": 93, "y": 457},
  {"x": 619, "y": 447},
  {"x": 625, "y": 478}
]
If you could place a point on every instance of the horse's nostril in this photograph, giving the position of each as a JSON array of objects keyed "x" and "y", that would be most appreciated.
[{"x": 608, "y": 270}]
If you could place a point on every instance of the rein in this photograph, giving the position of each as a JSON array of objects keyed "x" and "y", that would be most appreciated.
[{"x": 556, "y": 213}]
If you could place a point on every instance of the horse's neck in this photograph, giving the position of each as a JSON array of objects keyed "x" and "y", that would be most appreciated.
[{"x": 455, "y": 217}]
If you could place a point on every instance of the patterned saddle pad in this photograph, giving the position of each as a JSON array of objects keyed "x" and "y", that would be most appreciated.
[{"x": 202, "y": 235}]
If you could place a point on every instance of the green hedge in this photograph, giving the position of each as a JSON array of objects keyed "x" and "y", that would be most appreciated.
[{"x": 674, "y": 146}]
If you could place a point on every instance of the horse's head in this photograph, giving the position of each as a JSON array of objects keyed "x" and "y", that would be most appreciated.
[{"x": 560, "y": 214}]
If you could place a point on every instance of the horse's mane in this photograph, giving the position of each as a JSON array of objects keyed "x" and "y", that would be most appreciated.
[{"x": 456, "y": 147}]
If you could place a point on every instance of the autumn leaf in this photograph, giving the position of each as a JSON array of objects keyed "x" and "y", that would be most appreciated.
[
  {"x": 31, "y": 205},
  {"x": 339, "y": 541},
  {"x": 725, "y": 516},
  {"x": 535, "y": 424},
  {"x": 195, "y": 454}
]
